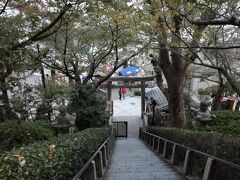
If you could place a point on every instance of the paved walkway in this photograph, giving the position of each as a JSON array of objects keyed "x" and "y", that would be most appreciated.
[
  {"x": 130, "y": 106},
  {"x": 129, "y": 109},
  {"x": 133, "y": 160}
]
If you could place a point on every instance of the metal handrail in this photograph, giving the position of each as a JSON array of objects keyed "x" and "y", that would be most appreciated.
[
  {"x": 196, "y": 151},
  {"x": 149, "y": 139},
  {"x": 109, "y": 140}
]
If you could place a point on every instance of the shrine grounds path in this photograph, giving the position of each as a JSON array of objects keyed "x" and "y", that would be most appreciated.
[{"x": 131, "y": 158}]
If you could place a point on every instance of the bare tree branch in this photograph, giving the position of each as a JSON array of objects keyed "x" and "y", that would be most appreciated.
[
  {"x": 4, "y": 7},
  {"x": 235, "y": 21},
  {"x": 210, "y": 47},
  {"x": 208, "y": 79},
  {"x": 117, "y": 66}
]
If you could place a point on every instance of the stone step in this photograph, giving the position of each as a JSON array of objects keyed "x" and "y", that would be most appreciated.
[{"x": 133, "y": 160}]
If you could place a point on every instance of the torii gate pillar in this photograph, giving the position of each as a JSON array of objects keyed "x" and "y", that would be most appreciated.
[{"x": 142, "y": 97}]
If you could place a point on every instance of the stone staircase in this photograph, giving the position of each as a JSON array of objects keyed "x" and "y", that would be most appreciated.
[{"x": 133, "y": 160}]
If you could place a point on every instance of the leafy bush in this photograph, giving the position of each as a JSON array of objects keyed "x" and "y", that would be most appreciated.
[
  {"x": 90, "y": 109},
  {"x": 137, "y": 93},
  {"x": 207, "y": 91},
  {"x": 58, "y": 158},
  {"x": 27, "y": 132},
  {"x": 226, "y": 122},
  {"x": 160, "y": 118},
  {"x": 53, "y": 90},
  {"x": 223, "y": 146}
]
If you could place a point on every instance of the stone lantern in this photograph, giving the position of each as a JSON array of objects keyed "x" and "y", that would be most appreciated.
[{"x": 204, "y": 117}]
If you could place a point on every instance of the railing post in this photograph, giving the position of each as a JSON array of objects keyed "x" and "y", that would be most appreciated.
[
  {"x": 99, "y": 164},
  {"x": 104, "y": 156},
  {"x": 165, "y": 148},
  {"x": 108, "y": 148},
  {"x": 140, "y": 133},
  {"x": 149, "y": 139},
  {"x": 207, "y": 169},
  {"x": 173, "y": 154},
  {"x": 158, "y": 146},
  {"x": 91, "y": 174},
  {"x": 185, "y": 165},
  {"x": 153, "y": 142}
]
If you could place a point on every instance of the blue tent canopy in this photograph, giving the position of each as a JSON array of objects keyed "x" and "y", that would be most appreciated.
[{"x": 131, "y": 70}]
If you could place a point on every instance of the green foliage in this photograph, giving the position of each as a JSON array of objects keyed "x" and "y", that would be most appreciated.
[
  {"x": 223, "y": 146},
  {"x": 207, "y": 91},
  {"x": 189, "y": 124},
  {"x": 26, "y": 132},
  {"x": 227, "y": 122},
  {"x": 58, "y": 158},
  {"x": 160, "y": 118},
  {"x": 137, "y": 93},
  {"x": 53, "y": 90},
  {"x": 90, "y": 109}
]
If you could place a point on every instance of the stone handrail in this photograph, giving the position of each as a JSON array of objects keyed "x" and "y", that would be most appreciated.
[
  {"x": 96, "y": 165},
  {"x": 154, "y": 142}
]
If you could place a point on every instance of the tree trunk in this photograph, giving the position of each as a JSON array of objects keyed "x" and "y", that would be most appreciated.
[
  {"x": 217, "y": 100},
  {"x": 231, "y": 81},
  {"x": 176, "y": 101},
  {"x": 77, "y": 78},
  {"x": 6, "y": 111},
  {"x": 53, "y": 74},
  {"x": 158, "y": 71}
]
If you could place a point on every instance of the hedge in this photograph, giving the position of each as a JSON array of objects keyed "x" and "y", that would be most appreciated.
[
  {"x": 27, "y": 132},
  {"x": 226, "y": 121},
  {"x": 220, "y": 145},
  {"x": 57, "y": 158}
]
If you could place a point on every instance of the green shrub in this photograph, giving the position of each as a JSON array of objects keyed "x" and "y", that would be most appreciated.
[
  {"x": 58, "y": 158},
  {"x": 27, "y": 132},
  {"x": 137, "y": 93},
  {"x": 159, "y": 118},
  {"x": 90, "y": 109},
  {"x": 227, "y": 122},
  {"x": 223, "y": 146},
  {"x": 207, "y": 91}
]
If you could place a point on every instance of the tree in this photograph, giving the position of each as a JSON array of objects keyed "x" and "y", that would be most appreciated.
[
  {"x": 179, "y": 29},
  {"x": 15, "y": 37},
  {"x": 101, "y": 37}
]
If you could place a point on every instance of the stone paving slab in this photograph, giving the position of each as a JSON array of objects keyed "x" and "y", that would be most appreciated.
[
  {"x": 133, "y": 160},
  {"x": 130, "y": 106}
]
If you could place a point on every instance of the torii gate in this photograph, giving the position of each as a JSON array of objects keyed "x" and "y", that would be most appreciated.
[{"x": 143, "y": 85}]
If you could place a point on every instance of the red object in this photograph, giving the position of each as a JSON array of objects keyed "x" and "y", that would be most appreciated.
[
  {"x": 124, "y": 91},
  {"x": 231, "y": 97}
]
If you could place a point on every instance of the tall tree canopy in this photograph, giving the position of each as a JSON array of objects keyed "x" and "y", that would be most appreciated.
[{"x": 181, "y": 29}]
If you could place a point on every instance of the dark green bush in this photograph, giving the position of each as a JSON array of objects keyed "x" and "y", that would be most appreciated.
[
  {"x": 220, "y": 145},
  {"x": 26, "y": 132},
  {"x": 89, "y": 108},
  {"x": 137, "y": 93},
  {"x": 227, "y": 122},
  {"x": 58, "y": 158},
  {"x": 160, "y": 118},
  {"x": 207, "y": 91}
]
